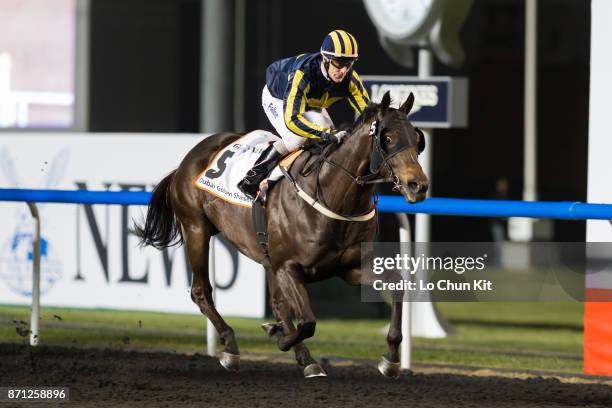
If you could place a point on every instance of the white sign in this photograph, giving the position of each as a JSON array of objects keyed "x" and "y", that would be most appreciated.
[
  {"x": 89, "y": 256},
  {"x": 600, "y": 143}
]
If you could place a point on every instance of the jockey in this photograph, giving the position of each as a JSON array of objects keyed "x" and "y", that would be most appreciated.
[{"x": 298, "y": 90}]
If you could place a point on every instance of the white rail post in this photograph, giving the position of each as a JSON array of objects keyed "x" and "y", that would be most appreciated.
[
  {"x": 35, "y": 317},
  {"x": 211, "y": 332},
  {"x": 406, "y": 344}
]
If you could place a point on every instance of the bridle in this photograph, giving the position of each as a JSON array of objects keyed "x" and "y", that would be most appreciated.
[{"x": 379, "y": 158}]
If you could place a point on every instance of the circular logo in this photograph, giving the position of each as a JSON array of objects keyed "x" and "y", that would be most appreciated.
[{"x": 16, "y": 255}]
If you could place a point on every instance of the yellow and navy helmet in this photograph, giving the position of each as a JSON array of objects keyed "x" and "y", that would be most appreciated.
[{"x": 340, "y": 45}]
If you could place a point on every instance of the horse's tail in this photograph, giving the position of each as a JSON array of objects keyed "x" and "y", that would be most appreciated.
[{"x": 161, "y": 228}]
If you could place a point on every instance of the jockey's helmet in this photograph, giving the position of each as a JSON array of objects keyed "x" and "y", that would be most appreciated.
[{"x": 340, "y": 45}]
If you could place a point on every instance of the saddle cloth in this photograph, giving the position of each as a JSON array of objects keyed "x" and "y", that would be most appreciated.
[{"x": 231, "y": 164}]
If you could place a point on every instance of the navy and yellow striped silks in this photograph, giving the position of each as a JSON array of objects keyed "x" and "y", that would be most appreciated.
[
  {"x": 358, "y": 97},
  {"x": 295, "y": 106},
  {"x": 340, "y": 44},
  {"x": 299, "y": 81}
]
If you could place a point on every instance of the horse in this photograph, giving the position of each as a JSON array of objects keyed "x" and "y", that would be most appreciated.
[{"x": 305, "y": 244}]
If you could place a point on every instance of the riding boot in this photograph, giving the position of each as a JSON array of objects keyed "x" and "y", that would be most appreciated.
[{"x": 249, "y": 185}]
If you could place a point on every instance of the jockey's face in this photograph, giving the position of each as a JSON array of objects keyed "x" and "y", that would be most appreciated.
[{"x": 338, "y": 70}]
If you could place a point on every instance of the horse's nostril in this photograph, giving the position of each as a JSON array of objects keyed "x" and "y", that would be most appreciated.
[{"x": 418, "y": 186}]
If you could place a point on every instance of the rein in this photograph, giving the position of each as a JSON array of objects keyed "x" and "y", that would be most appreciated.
[{"x": 378, "y": 158}]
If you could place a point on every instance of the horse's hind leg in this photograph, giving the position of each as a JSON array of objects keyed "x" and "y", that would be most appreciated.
[
  {"x": 284, "y": 327},
  {"x": 197, "y": 232}
]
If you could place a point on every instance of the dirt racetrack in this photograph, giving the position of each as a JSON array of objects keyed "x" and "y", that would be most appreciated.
[{"x": 111, "y": 378}]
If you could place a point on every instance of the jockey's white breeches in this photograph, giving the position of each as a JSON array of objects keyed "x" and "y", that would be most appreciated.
[{"x": 273, "y": 107}]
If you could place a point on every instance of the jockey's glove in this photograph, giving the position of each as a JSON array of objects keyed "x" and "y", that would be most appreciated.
[{"x": 334, "y": 137}]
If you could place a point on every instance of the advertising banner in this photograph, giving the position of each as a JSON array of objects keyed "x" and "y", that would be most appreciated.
[
  {"x": 440, "y": 102},
  {"x": 90, "y": 258}
]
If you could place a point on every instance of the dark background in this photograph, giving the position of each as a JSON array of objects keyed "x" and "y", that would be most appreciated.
[{"x": 145, "y": 77}]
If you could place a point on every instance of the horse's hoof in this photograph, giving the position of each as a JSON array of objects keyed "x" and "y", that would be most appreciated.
[
  {"x": 389, "y": 369},
  {"x": 231, "y": 362},
  {"x": 269, "y": 328},
  {"x": 314, "y": 370}
]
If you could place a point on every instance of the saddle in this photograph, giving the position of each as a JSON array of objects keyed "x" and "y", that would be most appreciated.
[{"x": 230, "y": 164}]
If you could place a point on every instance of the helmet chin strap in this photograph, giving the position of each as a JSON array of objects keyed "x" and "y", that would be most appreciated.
[{"x": 325, "y": 67}]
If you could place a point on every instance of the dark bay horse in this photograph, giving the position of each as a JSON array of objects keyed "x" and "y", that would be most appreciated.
[{"x": 304, "y": 244}]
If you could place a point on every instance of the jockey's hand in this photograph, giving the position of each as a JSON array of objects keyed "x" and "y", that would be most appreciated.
[
  {"x": 340, "y": 135},
  {"x": 334, "y": 137}
]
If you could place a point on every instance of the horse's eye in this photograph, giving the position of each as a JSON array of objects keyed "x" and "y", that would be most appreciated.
[{"x": 388, "y": 139}]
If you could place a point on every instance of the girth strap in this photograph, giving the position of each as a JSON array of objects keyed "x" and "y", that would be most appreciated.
[{"x": 261, "y": 230}]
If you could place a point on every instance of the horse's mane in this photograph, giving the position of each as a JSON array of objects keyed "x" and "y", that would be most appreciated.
[{"x": 367, "y": 113}]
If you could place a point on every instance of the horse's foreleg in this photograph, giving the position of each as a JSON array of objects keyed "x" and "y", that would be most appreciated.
[
  {"x": 389, "y": 365},
  {"x": 293, "y": 290},
  {"x": 282, "y": 312},
  {"x": 284, "y": 330},
  {"x": 197, "y": 237}
]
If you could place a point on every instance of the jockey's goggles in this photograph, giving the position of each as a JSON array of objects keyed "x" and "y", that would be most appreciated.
[{"x": 342, "y": 63}]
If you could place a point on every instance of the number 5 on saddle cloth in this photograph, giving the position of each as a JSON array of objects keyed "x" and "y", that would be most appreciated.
[{"x": 231, "y": 164}]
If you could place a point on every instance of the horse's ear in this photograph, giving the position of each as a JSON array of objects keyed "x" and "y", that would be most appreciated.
[
  {"x": 407, "y": 105},
  {"x": 384, "y": 104},
  {"x": 420, "y": 139}
]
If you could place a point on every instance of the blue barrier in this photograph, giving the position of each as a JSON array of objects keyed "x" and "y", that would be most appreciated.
[
  {"x": 393, "y": 204},
  {"x": 76, "y": 196},
  {"x": 499, "y": 208}
]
